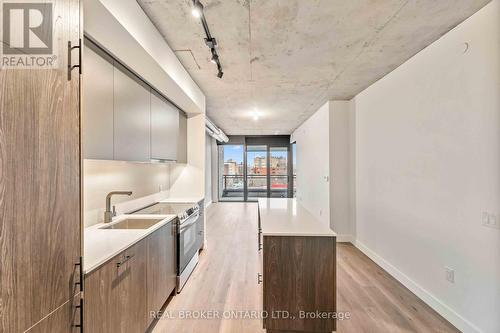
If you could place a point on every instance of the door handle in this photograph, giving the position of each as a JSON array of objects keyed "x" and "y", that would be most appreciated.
[{"x": 70, "y": 62}]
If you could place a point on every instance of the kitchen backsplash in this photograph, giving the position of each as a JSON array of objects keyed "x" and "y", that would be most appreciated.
[{"x": 146, "y": 181}]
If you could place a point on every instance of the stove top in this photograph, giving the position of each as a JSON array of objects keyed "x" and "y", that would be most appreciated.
[{"x": 182, "y": 210}]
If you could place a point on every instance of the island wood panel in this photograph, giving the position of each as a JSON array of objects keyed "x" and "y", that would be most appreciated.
[
  {"x": 40, "y": 182},
  {"x": 115, "y": 294},
  {"x": 161, "y": 267},
  {"x": 299, "y": 275}
]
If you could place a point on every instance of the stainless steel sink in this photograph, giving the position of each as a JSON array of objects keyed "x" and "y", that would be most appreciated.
[{"x": 132, "y": 223}]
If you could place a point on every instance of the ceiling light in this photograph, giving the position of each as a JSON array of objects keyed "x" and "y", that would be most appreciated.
[
  {"x": 219, "y": 75},
  {"x": 214, "y": 59},
  {"x": 197, "y": 9},
  {"x": 255, "y": 115},
  {"x": 196, "y": 12}
]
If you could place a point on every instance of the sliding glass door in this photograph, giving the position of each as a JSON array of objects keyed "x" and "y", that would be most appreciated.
[
  {"x": 257, "y": 173},
  {"x": 231, "y": 173},
  {"x": 278, "y": 157},
  {"x": 249, "y": 171}
]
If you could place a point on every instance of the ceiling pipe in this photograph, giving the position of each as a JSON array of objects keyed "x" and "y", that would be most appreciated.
[{"x": 214, "y": 131}]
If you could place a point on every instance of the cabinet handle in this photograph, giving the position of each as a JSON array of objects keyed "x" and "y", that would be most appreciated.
[
  {"x": 259, "y": 278},
  {"x": 80, "y": 268},
  {"x": 80, "y": 309},
  {"x": 70, "y": 63},
  {"x": 127, "y": 258}
]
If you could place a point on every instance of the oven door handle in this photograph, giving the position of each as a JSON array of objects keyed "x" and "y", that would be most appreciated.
[{"x": 189, "y": 222}]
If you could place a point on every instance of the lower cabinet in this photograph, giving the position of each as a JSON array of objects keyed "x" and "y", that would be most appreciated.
[
  {"x": 161, "y": 268},
  {"x": 121, "y": 294},
  {"x": 115, "y": 294}
]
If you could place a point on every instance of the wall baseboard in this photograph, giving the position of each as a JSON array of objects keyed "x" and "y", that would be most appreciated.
[
  {"x": 344, "y": 239},
  {"x": 446, "y": 312}
]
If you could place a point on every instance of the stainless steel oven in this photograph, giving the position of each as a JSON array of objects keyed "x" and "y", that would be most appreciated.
[{"x": 187, "y": 248}]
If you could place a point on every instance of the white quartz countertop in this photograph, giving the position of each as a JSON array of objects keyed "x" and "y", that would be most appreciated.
[
  {"x": 101, "y": 245},
  {"x": 287, "y": 217},
  {"x": 183, "y": 200}
]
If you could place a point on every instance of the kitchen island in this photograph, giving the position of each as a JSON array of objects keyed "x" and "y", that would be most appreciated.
[{"x": 298, "y": 268}]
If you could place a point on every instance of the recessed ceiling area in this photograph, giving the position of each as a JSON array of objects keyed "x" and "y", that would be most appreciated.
[{"x": 283, "y": 59}]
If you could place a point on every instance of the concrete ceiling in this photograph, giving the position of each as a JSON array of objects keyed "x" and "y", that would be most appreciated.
[{"x": 285, "y": 58}]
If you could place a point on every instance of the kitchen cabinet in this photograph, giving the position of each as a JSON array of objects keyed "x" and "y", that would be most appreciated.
[
  {"x": 115, "y": 294},
  {"x": 40, "y": 243},
  {"x": 63, "y": 320},
  {"x": 120, "y": 295},
  {"x": 182, "y": 140},
  {"x": 161, "y": 267},
  {"x": 164, "y": 129},
  {"x": 132, "y": 117},
  {"x": 98, "y": 86},
  {"x": 123, "y": 118}
]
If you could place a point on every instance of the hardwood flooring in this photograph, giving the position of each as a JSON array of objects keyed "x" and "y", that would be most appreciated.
[{"x": 225, "y": 282}]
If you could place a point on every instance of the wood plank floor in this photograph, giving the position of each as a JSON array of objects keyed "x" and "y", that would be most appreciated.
[{"x": 226, "y": 280}]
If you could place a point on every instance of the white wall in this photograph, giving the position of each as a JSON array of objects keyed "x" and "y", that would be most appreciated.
[
  {"x": 324, "y": 166},
  {"x": 208, "y": 169},
  {"x": 428, "y": 165},
  {"x": 313, "y": 169},
  {"x": 340, "y": 170},
  {"x": 188, "y": 180}
]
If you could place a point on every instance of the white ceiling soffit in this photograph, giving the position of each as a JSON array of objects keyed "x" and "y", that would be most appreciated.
[{"x": 284, "y": 59}]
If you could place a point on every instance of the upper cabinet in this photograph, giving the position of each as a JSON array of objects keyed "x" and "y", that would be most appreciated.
[
  {"x": 124, "y": 119},
  {"x": 97, "y": 104},
  {"x": 132, "y": 118},
  {"x": 164, "y": 129}
]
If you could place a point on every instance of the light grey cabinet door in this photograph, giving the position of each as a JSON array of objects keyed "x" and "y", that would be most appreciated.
[
  {"x": 132, "y": 118},
  {"x": 164, "y": 129},
  {"x": 97, "y": 105},
  {"x": 182, "y": 140}
]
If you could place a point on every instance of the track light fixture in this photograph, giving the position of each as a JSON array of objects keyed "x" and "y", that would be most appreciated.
[{"x": 210, "y": 41}]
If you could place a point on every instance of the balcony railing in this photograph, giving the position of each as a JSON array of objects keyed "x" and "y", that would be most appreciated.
[{"x": 233, "y": 186}]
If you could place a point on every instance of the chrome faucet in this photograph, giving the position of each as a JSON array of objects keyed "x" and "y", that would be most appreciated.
[{"x": 109, "y": 214}]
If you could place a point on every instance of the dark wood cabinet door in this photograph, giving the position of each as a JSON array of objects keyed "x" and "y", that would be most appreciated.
[
  {"x": 299, "y": 275},
  {"x": 40, "y": 177},
  {"x": 63, "y": 320},
  {"x": 161, "y": 267},
  {"x": 115, "y": 294}
]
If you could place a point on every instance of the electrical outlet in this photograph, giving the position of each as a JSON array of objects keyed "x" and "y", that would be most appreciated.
[
  {"x": 490, "y": 220},
  {"x": 450, "y": 275},
  {"x": 485, "y": 218},
  {"x": 494, "y": 221}
]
